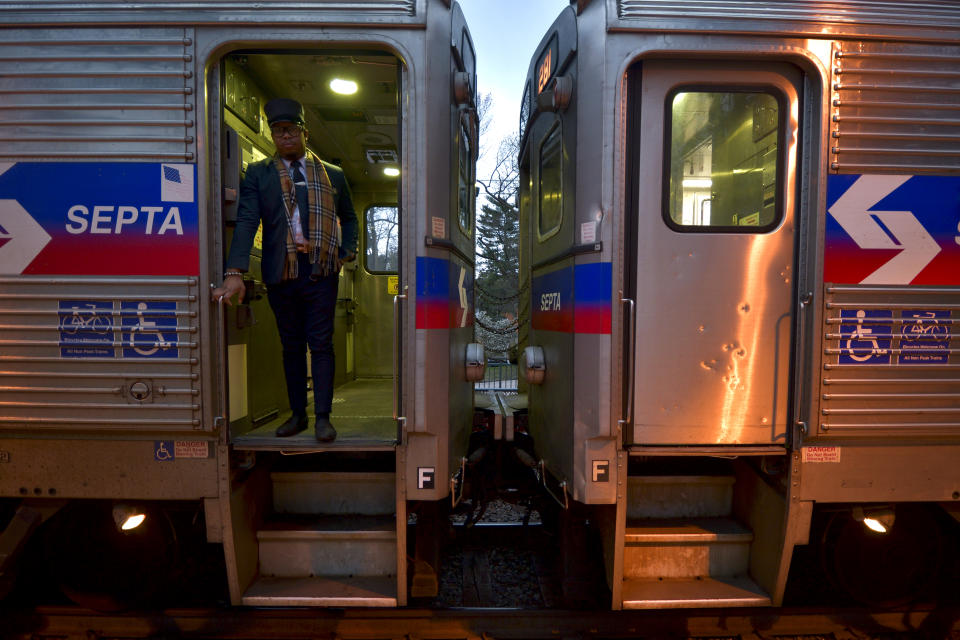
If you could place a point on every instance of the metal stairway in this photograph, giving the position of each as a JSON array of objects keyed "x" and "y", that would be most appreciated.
[
  {"x": 682, "y": 547},
  {"x": 331, "y": 541}
]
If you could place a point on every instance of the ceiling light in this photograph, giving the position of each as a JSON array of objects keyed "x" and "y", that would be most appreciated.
[
  {"x": 343, "y": 87},
  {"x": 393, "y": 172}
]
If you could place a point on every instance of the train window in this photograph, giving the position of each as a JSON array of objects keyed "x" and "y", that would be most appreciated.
[
  {"x": 465, "y": 194},
  {"x": 551, "y": 183},
  {"x": 722, "y": 153},
  {"x": 381, "y": 238}
]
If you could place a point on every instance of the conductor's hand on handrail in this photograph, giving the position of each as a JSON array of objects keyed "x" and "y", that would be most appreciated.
[{"x": 232, "y": 285}]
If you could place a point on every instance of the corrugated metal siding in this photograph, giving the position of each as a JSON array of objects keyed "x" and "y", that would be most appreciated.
[
  {"x": 914, "y": 387},
  {"x": 97, "y": 93},
  {"x": 811, "y": 17},
  {"x": 89, "y": 387},
  {"x": 896, "y": 108},
  {"x": 208, "y": 11}
]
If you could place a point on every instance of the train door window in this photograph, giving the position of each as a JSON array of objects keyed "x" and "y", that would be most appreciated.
[
  {"x": 550, "y": 183},
  {"x": 465, "y": 199},
  {"x": 722, "y": 151},
  {"x": 380, "y": 238}
]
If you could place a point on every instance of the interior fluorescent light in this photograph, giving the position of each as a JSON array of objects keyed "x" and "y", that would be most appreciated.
[
  {"x": 343, "y": 87},
  {"x": 694, "y": 183},
  {"x": 393, "y": 172}
]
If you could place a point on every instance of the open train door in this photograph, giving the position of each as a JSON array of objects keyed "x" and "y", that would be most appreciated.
[{"x": 715, "y": 227}]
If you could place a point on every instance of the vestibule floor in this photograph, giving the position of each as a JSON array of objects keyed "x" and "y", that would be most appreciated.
[{"x": 362, "y": 415}]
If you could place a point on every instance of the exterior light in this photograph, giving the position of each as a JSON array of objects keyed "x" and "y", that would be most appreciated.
[
  {"x": 536, "y": 365},
  {"x": 128, "y": 517},
  {"x": 879, "y": 519},
  {"x": 343, "y": 87},
  {"x": 392, "y": 172},
  {"x": 475, "y": 362}
]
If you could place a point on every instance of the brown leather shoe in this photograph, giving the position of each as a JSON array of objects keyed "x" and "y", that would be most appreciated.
[
  {"x": 324, "y": 430},
  {"x": 294, "y": 425}
]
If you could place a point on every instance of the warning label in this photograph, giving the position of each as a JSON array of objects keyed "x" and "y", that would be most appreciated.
[
  {"x": 168, "y": 450},
  {"x": 191, "y": 449},
  {"x": 821, "y": 454}
]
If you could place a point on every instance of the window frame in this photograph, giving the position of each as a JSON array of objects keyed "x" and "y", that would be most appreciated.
[
  {"x": 557, "y": 127},
  {"x": 781, "y": 155},
  {"x": 463, "y": 130},
  {"x": 366, "y": 237}
]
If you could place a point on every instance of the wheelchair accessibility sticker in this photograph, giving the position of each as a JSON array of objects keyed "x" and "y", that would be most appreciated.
[
  {"x": 169, "y": 450},
  {"x": 925, "y": 336},
  {"x": 149, "y": 329},
  {"x": 865, "y": 336},
  {"x": 86, "y": 328}
]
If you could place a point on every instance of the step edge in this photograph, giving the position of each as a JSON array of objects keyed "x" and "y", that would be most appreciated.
[
  {"x": 681, "y": 538},
  {"x": 309, "y": 601},
  {"x": 265, "y": 535}
]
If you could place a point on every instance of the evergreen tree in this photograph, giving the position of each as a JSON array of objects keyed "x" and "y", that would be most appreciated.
[{"x": 498, "y": 255}]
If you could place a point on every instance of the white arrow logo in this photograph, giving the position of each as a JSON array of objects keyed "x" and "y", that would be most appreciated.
[
  {"x": 852, "y": 211},
  {"x": 24, "y": 237}
]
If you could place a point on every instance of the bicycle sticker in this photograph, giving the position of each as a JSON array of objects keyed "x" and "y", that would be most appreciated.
[
  {"x": 865, "y": 338},
  {"x": 925, "y": 336},
  {"x": 86, "y": 329},
  {"x": 148, "y": 329}
]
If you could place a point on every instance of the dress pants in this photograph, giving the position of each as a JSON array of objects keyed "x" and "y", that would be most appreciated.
[{"x": 304, "y": 309}]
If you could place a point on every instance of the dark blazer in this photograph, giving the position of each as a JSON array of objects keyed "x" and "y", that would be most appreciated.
[{"x": 261, "y": 199}]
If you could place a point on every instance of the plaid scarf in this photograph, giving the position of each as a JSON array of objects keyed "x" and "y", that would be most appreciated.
[{"x": 324, "y": 228}]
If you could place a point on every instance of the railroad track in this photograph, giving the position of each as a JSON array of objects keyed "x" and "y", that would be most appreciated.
[
  {"x": 66, "y": 623},
  {"x": 498, "y": 583}
]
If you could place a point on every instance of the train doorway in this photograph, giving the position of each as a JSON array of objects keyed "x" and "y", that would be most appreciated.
[
  {"x": 350, "y": 100},
  {"x": 715, "y": 226}
]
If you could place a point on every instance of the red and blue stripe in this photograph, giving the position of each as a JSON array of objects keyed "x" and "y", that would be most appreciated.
[{"x": 573, "y": 299}]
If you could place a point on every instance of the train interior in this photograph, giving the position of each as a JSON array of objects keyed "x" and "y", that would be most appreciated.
[
  {"x": 350, "y": 103},
  {"x": 316, "y": 523}
]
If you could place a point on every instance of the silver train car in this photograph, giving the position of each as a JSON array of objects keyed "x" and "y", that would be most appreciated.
[
  {"x": 124, "y": 391},
  {"x": 740, "y": 230}
]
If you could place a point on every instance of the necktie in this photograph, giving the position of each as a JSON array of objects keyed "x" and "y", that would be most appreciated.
[{"x": 300, "y": 186}]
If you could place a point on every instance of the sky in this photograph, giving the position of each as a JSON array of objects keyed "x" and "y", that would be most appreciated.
[{"x": 505, "y": 34}]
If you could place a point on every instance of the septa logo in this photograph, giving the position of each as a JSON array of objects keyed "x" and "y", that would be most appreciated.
[
  {"x": 176, "y": 183},
  {"x": 4, "y": 236}
]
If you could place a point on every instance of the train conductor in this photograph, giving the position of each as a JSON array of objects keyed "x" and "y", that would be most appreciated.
[{"x": 299, "y": 199}]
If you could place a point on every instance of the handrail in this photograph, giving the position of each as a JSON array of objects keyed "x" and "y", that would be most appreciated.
[
  {"x": 565, "y": 503},
  {"x": 221, "y": 363},
  {"x": 396, "y": 354},
  {"x": 454, "y": 499},
  {"x": 628, "y": 359}
]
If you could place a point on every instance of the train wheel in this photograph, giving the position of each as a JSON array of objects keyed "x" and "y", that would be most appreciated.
[
  {"x": 100, "y": 567},
  {"x": 883, "y": 569}
]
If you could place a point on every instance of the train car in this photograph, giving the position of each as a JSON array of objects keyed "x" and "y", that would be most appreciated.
[
  {"x": 125, "y": 130},
  {"x": 739, "y": 224}
]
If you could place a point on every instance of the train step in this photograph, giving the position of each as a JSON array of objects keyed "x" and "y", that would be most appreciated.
[
  {"x": 331, "y": 545},
  {"x": 653, "y": 593},
  {"x": 700, "y": 547},
  {"x": 322, "y": 592},
  {"x": 320, "y": 492},
  {"x": 689, "y": 496}
]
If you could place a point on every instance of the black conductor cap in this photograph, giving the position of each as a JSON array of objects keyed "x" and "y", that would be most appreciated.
[{"x": 283, "y": 110}]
